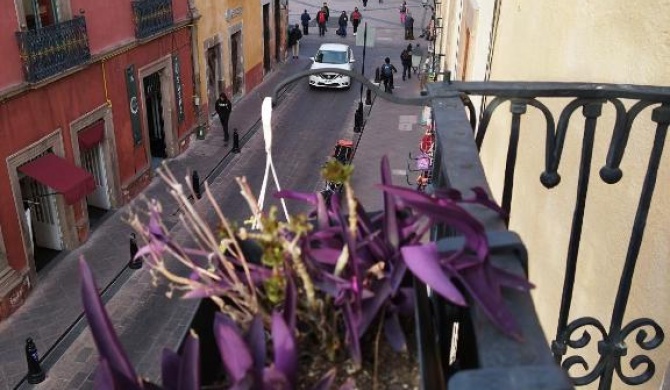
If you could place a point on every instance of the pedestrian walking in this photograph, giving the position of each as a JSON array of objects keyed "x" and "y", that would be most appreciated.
[
  {"x": 294, "y": 37},
  {"x": 326, "y": 10},
  {"x": 321, "y": 21},
  {"x": 406, "y": 61},
  {"x": 356, "y": 19},
  {"x": 305, "y": 18},
  {"x": 417, "y": 58},
  {"x": 342, "y": 22},
  {"x": 386, "y": 75},
  {"x": 365, "y": 3},
  {"x": 224, "y": 107},
  {"x": 409, "y": 27},
  {"x": 403, "y": 12}
]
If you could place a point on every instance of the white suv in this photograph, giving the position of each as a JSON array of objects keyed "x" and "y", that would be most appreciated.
[{"x": 332, "y": 55}]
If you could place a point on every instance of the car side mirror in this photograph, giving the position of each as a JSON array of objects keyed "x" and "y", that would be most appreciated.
[
  {"x": 311, "y": 58},
  {"x": 352, "y": 60}
]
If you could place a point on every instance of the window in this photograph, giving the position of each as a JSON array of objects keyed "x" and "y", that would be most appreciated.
[{"x": 42, "y": 13}]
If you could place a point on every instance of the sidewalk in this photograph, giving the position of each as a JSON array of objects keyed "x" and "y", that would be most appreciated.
[{"x": 145, "y": 319}]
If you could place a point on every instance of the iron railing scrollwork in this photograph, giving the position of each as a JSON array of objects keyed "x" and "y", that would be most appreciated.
[
  {"x": 612, "y": 347},
  {"x": 50, "y": 50},
  {"x": 152, "y": 17}
]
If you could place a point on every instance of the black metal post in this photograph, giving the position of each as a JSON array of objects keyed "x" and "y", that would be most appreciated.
[
  {"x": 195, "y": 183},
  {"x": 236, "y": 142},
  {"x": 134, "y": 263},
  {"x": 377, "y": 76},
  {"x": 35, "y": 373},
  {"x": 358, "y": 118}
]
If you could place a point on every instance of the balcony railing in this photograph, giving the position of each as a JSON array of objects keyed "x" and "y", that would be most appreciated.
[
  {"x": 459, "y": 348},
  {"x": 483, "y": 358},
  {"x": 50, "y": 50},
  {"x": 152, "y": 17}
]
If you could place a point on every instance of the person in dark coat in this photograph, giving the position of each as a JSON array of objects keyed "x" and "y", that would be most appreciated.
[
  {"x": 365, "y": 3},
  {"x": 342, "y": 22},
  {"x": 406, "y": 61},
  {"x": 224, "y": 107},
  {"x": 409, "y": 27},
  {"x": 294, "y": 37},
  {"x": 305, "y": 18},
  {"x": 386, "y": 72}
]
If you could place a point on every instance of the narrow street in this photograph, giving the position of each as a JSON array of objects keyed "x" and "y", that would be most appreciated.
[{"x": 306, "y": 125}]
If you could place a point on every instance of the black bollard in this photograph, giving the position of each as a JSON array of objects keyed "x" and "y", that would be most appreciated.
[
  {"x": 368, "y": 97},
  {"x": 377, "y": 78},
  {"x": 236, "y": 142},
  {"x": 35, "y": 372},
  {"x": 134, "y": 263},
  {"x": 358, "y": 118},
  {"x": 195, "y": 183}
]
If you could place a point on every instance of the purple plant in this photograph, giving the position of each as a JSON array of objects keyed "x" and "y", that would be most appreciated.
[
  {"x": 243, "y": 357},
  {"x": 344, "y": 268}
]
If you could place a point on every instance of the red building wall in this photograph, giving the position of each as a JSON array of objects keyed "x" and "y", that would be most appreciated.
[
  {"x": 11, "y": 73},
  {"x": 28, "y": 117}
]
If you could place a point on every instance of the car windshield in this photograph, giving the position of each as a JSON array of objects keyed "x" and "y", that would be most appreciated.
[{"x": 331, "y": 57}]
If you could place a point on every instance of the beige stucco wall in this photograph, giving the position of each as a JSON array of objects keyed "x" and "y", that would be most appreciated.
[
  {"x": 214, "y": 26},
  {"x": 610, "y": 41}
]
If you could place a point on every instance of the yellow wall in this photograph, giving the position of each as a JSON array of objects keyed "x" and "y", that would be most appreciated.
[
  {"x": 213, "y": 25},
  {"x": 610, "y": 41}
]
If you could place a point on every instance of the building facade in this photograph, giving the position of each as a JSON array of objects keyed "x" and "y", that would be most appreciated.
[
  {"x": 619, "y": 42},
  {"x": 93, "y": 94},
  {"x": 238, "y": 43}
]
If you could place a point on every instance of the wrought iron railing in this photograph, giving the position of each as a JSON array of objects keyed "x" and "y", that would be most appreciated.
[
  {"x": 459, "y": 167},
  {"x": 152, "y": 17},
  {"x": 50, "y": 50},
  {"x": 458, "y": 347}
]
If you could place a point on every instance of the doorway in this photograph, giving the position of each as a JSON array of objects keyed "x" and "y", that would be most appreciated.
[
  {"x": 237, "y": 64},
  {"x": 42, "y": 219},
  {"x": 213, "y": 76},
  {"x": 153, "y": 100},
  {"x": 277, "y": 32},
  {"x": 266, "y": 38},
  {"x": 97, "y": 202}
]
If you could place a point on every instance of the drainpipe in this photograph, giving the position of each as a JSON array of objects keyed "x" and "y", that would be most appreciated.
[{"x": 197, "y": 98}]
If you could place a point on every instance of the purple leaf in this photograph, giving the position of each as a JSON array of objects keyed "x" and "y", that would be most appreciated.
[
  {"x": 394, "y": 333},
  {"x": 352, "y": 337},
  {"x": 349, "y": 384},
  {"x": 285, "y": 353},
  {"x": 295, "y": 195},
  {"x": 170, "y": 369},
  {"x": 390, "y": 221},
  {"x": 234, "y": 352},
  {"x": 423, "y": 261},
  {"x": 371, "y": 308},
  {"x": 255, "y": 338},
  {"x": 189, "y": 365},
  {"x": 486, "y": 292},
  {"x": 106, "y": 378},
  {"x": 275, "y": 379},
  {"x": 326, "y": 381},
  {"x": 101, "y": 327}
]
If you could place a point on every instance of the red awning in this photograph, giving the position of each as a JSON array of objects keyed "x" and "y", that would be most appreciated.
[
  {"x": 61, "y": 175},
  {"x": 92, "y": 135}
]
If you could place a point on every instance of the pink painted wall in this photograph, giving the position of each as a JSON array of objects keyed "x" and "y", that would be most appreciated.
[{"x": 11, "y": 73}]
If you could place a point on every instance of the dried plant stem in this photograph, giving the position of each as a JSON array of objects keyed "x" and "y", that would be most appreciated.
[
  {"x": 375, "y": 372},
  {"x": 301, "y": 270}
]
